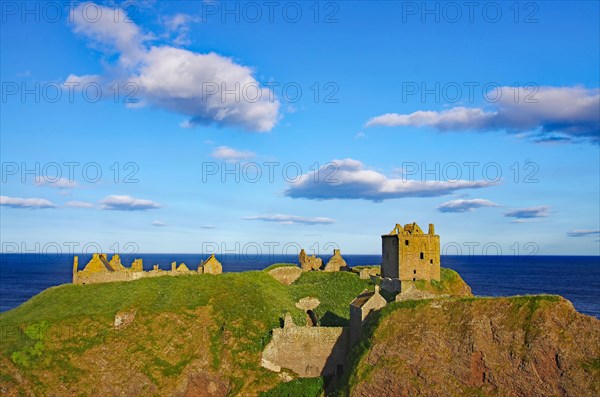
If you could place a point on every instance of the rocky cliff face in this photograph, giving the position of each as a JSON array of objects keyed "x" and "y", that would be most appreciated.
[{"x": 520, "y": 346}]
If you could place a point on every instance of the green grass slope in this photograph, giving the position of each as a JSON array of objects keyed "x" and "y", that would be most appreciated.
[{"x": 62, "y": 341}]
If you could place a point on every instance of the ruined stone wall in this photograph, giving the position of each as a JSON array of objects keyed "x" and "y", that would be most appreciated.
[
  {"x": 308, "y": 263},
  {"x": 390, "y": 256},
  {"x": 106, "y": 277},
  {"x": 355, "y": 324},
  {"x": 308, "y": 351},
  {"x": 286, "y": 274},
  {"x": 100, "y": 270},
  {"x": 336, "y": 263}
]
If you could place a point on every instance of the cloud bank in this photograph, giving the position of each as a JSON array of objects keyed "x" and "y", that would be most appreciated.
[
  {"x": 31, "y": 203},
  {"x": 541, "y": 211},
  {"x": 552, "y": 114},
  {"x": 229, "y": 154},
  {"x": 127, "y": 203},
  {"x": 582, "y": 233},
  {"x": 79, "y": 204},
  {"x": 60, "y": 183},
  {"x": 350, "y": 179},
  {"x": 200, "y": 86},
  {"x": 290, "y": 219},
  {"x": 465, "y": 205}
]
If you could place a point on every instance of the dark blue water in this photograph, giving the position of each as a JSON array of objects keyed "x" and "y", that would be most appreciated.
[{"x": 577, "y": 278}]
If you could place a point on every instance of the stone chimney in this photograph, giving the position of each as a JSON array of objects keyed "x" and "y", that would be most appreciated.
[{"x": 431, "y": 229}]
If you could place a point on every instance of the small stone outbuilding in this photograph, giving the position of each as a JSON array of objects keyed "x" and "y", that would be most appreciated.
[
  {"x": 211, "y": 266},
  {"x": 360, "y": 309}
]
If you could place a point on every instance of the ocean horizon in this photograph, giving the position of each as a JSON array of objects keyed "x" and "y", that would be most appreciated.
[{"x": 576, "y": 278}]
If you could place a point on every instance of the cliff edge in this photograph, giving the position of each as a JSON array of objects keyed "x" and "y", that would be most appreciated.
[{"x": 518, "y": 346}]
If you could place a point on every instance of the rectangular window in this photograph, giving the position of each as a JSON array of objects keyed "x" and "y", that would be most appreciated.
[
  {"x": 414, "y": 272},
  {"x": 431, "y": 261},
  {"x": 422, "y": 256},
  {"x": 405, "y": 242}
]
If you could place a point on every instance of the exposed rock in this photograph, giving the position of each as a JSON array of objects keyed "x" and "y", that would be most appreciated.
[
  {"x": 336, "y": 263},
  {"x": 123, "y": 319},
  {"x": 286, "y": 274},
  {"x": 286, "y": 377},
  {"x": 206, "y": 384},
  {"x": 510, "y": 347},
  {"x": 414, "y": 294}
]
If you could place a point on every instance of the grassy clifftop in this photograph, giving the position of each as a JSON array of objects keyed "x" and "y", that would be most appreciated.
[
  {"x": 451, "y": 283},
  {"x": 202, "y": 335},
  {"x": 187, "y": 333}
]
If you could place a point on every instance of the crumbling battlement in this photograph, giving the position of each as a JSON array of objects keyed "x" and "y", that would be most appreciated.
[
  {"x": 335, "y": 264},
  {"x": 100, "y": 270}
]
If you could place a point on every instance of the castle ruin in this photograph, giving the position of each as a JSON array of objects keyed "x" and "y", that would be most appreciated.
[
  {"x": 408, "y": 254},
  {"x": 335, "y": 264},
  {"x": 100, "y": 270}
]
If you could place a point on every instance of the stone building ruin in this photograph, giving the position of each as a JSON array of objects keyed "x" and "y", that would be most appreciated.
[
  {"x": 100, "y": 270},
  {"x": 408, "y": 254},
  {"x": 335, "y": 264}
]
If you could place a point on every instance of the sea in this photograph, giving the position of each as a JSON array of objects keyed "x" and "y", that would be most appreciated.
[{"x": 577, "y": 278}]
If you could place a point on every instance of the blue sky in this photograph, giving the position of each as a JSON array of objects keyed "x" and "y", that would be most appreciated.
[{"x": 415, "y": 116}]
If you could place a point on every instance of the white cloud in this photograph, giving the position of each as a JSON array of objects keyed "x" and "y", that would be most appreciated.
[
  {"x": 31, "y": 203},
  {"x": 552, "y": 114},
  {"x": 111, "y": 31},
  {"x": 178, "y": 26},
  {"x": 60, "y": 183},
  {"x": 229, "y": 154},
  {"x": 541, "y": 211},
  {"x": 349, "y": 179},
  {"x": 290, "y": 219},
  {"x": 464, "y": 205},
  {"x": 127, "y": 203},
  {"x": 584, "y": 232},
  {"x": 79, "y": 204},
  {"x": 159, "y": 223},
  {"x": 197, "y": 85},
  {"x": 458, "y": 118}
]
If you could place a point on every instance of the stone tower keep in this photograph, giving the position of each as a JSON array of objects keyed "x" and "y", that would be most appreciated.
[{"x": 409, "y": 254}]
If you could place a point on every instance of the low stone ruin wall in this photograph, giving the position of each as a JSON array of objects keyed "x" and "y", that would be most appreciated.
[{"x": 308, "y": 351}]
